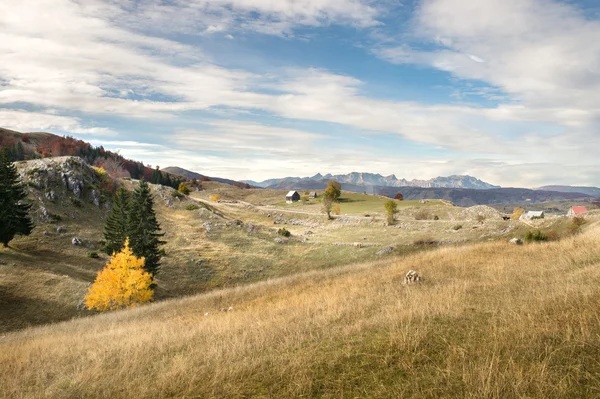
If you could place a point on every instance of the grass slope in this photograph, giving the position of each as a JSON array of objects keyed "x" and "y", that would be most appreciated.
[{"x": 491, "y": 321}]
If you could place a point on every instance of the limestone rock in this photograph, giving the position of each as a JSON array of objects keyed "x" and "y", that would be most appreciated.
[
  {"x": 516, "y": 241},
  {"x": 95, "y": 195},
  {"x": 385, "y": 251},
  {"x": 50, "y": 195},
  {"x": 76, "y": 241},
  {"x": 412, "y": 277}
]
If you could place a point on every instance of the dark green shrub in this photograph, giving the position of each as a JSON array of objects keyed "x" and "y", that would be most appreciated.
[
  {"x": 191, "y": 207},
  {"x": 535, "y": 236},
  {"x": 284, "y": 232},
  {"x": 93, "y": 255},
  {"x": 457, "y": 227},
  {"x": 76, "y": 202},
  {"x": 436, "y": 217}
]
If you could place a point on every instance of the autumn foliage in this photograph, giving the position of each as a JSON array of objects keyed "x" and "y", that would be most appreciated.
[{"x": 122, "y": 284}]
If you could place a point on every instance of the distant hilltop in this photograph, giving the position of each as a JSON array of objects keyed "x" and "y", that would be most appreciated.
[{"x": 375, "y": 179}]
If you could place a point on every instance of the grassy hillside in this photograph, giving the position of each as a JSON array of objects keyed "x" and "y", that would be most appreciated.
[{"x": 491, "y": 321}]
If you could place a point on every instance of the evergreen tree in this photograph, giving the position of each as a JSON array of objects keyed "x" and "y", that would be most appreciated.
[
  {"x": 115, "y": 229},
  {"x": 168, "y": 182},
  {"x": 19, "y": 152},
  {"x": 14, "y": 218},
  {"x": 143, "y": 229},
  {"x": 156, "y": 176}
]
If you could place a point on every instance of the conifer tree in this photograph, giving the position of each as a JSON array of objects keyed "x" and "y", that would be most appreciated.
[
  {"x": 14, "y": 218},
  {"x": 122, "y": 284},
  {"x": 115, "y": 229},
  {"x": 156, "y": 176},
  {"x": 143, "y": 229}
]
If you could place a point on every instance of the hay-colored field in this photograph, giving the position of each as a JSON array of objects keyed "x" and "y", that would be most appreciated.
[{"x": 491, "y": 321}]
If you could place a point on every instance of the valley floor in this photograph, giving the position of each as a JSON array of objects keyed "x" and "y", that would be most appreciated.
[{"x": 491, "y": 320}]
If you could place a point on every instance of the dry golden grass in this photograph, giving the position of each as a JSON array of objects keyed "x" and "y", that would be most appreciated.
[{"x": 491, "y": 321}]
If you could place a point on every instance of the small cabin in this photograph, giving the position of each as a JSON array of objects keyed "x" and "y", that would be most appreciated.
[
  {"x": 576, "y": 211},
  {"x": 292, "y": 196},
  {"x": 312, "y": 194},
  {"x": 533, "y": 215}
]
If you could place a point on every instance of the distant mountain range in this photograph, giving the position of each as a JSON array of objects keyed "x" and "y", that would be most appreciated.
[
  {"x": 366, "y": 180},
  {"x": 593, "y": 191}
]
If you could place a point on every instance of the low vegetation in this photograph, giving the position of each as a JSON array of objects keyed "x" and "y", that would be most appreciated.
[{"x": 490, "y": 321}]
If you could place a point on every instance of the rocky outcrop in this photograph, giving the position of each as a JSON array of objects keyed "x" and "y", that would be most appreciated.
[{"x": 412, "y": 278}]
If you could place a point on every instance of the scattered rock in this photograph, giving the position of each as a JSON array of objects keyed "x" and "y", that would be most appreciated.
[
  {"x": 50, "y": 195},
  {"x": 307, "y": 232},
  {"x": 45, "y": 233},
  {"x": 95, "y": 195},
  {"x": 81, "y": 304},
  {"x": 76, "y": 241},
  {"x": 412, "y": 277},
  {"x": 60, "y": 229},
  {"x": 385, "y": 251},
  {"x": 280, "y": 240},
  {"x": 45, "y": 214},
  {"x": 357, "y": 244},
  {"x": 516, "y": 241}
]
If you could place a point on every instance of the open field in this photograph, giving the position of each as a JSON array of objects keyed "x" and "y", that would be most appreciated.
[
  {"x": 491, "y": 321},
  {"x": 226, "y": 244}
]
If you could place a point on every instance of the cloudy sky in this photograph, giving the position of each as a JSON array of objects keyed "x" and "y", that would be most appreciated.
[{"x": 504, "y": 90}]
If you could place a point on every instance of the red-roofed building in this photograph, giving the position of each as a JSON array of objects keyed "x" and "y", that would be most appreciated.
[{"x": 576, "y": 211}]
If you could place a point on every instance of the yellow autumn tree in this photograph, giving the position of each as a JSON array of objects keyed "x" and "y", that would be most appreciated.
[{"x": 122, "y": 284}]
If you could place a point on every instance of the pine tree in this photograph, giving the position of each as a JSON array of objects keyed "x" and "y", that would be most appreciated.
[
  {"x": 156, "y": 176},
  {"x": 122, "y": 284},
  {"x": 143, "y": 229},
  {"x": 14, "y": 218},
  {"x": 115, "y": 229}
]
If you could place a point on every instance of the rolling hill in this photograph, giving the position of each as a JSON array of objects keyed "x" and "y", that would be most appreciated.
[
  {"x": 593, "y": 191},
  {"x": 481, "y": 326},
  {"x": 193, "y": 175}
]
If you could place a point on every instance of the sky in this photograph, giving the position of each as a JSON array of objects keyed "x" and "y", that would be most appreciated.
[{"x": 504, "y": 90}]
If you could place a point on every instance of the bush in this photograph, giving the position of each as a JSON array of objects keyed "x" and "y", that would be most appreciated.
[
  {"x": 391, "y": 208},
  {"x": 336, "y": 209},
  {"x": 552, "y": 236},
  {"x": 176, "y": 194},
  {"x": 93, "y": 255},
  {"x": 457, "y": 227},
  {"x": 183, "y": 189},
  {"x": 436, "y": 217},
  {"x": 191, "y": 207},
  {"x": 76, "y": 202},
  {"x": 578, "y": 221},
  {"x": 517, "y": 212},
  {"x": 535, "y": 236},
  {"x": 215, "y": 197},
  {"x": 284, "y": 232}
]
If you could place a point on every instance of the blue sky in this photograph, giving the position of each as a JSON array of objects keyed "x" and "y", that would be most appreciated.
[{"x": 504, "y": 90}]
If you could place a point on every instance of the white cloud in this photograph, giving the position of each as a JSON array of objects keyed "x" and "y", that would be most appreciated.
[
  {"x": 26, "y": 121},
  {"x": 542, "y": 53}
]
